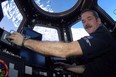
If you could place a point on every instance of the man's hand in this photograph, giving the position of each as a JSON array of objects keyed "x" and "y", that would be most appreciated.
[
  {"x": 79, "y": 69},
  {"x": 16, "y": 38}
]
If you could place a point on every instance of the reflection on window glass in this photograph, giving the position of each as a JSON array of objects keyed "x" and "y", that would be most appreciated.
[
  {"x": 109, "y": 6},
  {"x": 78, "y": 31},
  {"x": 48, "y": 34},
  {"x": 12, "y": 17},
  {"x": 55, "y": 5}
]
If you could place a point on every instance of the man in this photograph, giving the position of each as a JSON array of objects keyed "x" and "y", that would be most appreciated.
[{"x": 92, "y": 48}]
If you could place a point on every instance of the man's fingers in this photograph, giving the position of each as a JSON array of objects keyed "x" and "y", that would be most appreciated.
[
  {"x": 10, "y": 37},
  {"x": 15, "y": 38}
]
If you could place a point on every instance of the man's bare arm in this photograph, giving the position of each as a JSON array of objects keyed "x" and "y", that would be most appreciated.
[
  {"x": 58, "y": 49},
  {"x": 77, "y": 69}
]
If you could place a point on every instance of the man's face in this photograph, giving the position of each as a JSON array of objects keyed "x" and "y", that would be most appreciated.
[{"x": 89, "y": 21}]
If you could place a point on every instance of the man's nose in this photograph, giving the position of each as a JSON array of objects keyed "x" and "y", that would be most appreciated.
[{"x": 86, "y": 23}]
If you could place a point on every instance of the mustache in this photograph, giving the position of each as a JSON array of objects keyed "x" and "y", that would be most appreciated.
[{"x": 87, "y": 26}]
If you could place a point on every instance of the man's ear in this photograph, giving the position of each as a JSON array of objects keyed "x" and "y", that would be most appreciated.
[{"x": 99, "y": 20}]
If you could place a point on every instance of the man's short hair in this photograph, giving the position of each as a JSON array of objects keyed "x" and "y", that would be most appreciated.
[{"x": 94, "y": 12}]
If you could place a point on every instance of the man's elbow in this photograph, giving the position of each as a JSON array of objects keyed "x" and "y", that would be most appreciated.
[{"x": 71, "y": 49}]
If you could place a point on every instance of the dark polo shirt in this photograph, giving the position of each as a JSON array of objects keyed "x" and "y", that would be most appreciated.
[{"x": 98, "y": 54}]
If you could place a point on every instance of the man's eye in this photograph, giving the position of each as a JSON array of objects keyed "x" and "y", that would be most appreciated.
[{"x": 90, "y": 19}]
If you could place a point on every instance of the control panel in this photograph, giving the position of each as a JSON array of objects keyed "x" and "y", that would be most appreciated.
[{"x": 13, "y": 65}]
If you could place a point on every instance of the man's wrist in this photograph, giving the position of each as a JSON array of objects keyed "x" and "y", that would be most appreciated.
[{"x": 23, "y": 42}]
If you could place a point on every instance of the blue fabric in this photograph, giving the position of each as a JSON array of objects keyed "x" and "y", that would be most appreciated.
[
  {"x": 99, "y": 54},
  {"x": 98, "y": 43}
]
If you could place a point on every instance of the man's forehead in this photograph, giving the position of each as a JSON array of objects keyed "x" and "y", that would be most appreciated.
[{"x": 87, "y": 14}]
